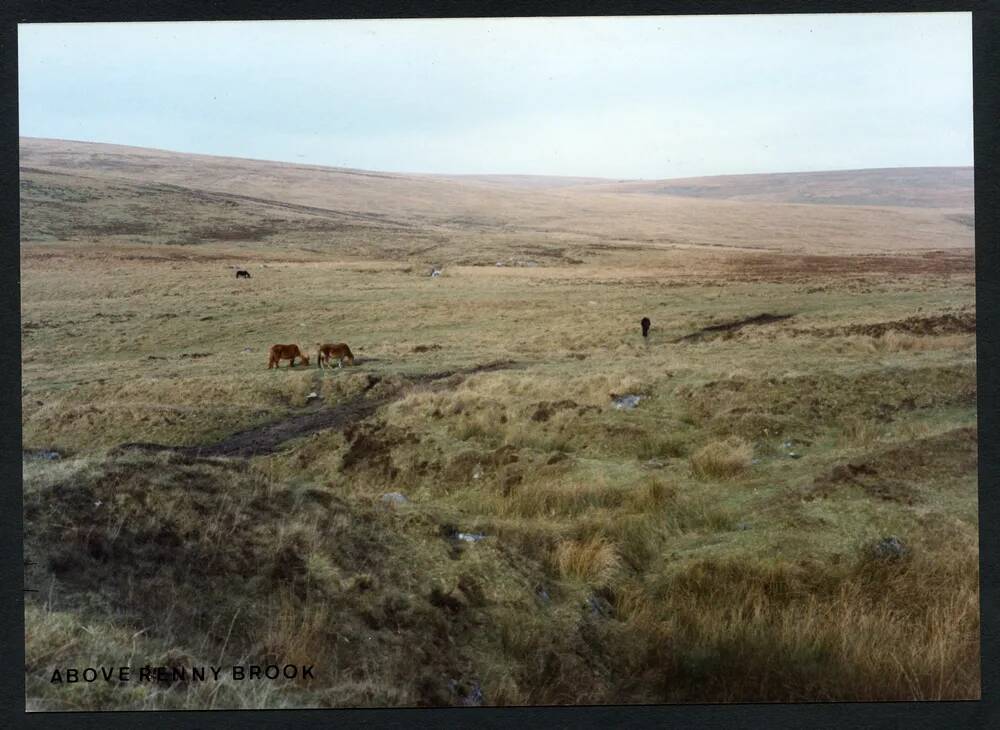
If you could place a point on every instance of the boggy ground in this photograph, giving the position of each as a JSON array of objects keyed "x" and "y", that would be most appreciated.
[{"x": 718, "y": 542}]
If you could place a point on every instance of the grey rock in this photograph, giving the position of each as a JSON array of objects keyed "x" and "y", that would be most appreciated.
[
  {"x": 599, "y": 607},
  {"x": 889, "y": 549},
  {"x": 470, "y": 536},
  {"x": 394, "y": 498},
  {"x": 626, "y": 402},
  {"x": 43, "y": 455},
  {"x": 469, "y": 694}
]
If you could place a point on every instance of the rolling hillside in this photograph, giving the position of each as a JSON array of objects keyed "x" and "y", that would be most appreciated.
[
  {"x": 88, "y": 192},
  {"x": 916, "y": 187}
]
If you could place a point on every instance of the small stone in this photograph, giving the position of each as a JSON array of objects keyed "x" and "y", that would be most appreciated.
[
  {"x": 44, "y": 455},
  {"x": 626, "y": 402},
  {"x": 889, "y": 549},
  {"x": 599, "y": 607},
  {"x": 470, "y": 536},
  {"x": 468, "y": 696},
  {"x": 475, "y": 697},
  {"x": 394, "y": 498}
]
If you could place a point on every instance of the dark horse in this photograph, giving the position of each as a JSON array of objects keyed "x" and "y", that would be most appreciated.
[
  {"x": 645, "y": 326},
  {"x": 241, "y": 274}
]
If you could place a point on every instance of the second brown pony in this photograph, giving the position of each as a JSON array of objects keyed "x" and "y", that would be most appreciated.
[{"x": 340, "y": 351}]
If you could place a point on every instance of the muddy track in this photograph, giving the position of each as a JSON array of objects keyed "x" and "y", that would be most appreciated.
[
  {"x": 734, "y": 326},
  {"x": 268, "y": 438}
]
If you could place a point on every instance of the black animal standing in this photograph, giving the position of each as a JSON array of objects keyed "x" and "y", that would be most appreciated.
[
  {"x": 645, "y": 326},
  {"x": 242, "y": 274}
]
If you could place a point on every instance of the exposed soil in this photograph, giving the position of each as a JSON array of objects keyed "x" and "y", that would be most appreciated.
[
  {"x": 759, "y": 319},
  {"x": 891, "y": 474}
]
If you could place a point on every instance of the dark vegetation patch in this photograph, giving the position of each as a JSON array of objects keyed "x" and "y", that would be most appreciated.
[
  {"x": 300, "y": 573},
  {"x": 274, "y": 575},
  {"x": 808, "y": 403},
  {"x": 232, "y": 232},
  {"x": 940, "y": 324},
  {"x": 370, "y": 448},
  {"x": 114, "y": 228},
  {"x": 545, "y": 410},
  {"x": 807, "y": 267},
  {"x": 892, "y": 474}
]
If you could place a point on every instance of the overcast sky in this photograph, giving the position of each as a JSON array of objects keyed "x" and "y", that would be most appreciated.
[{"x": 651, "y": 97}]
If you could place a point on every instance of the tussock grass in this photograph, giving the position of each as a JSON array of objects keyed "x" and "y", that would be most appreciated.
[
  {"x": 876, "y": 632},
  {"x": 861, "y": 432},
  {"x": 298, "y": 632},
  {"x": 593, "y": 560},
  {"x": 724, "y": 459}
]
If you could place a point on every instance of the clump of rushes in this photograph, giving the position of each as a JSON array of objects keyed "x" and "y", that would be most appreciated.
[{"x": 723, "y": 459}]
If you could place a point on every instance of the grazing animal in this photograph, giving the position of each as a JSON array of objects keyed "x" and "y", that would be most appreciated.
[
  {"x": 339, "y": 350},
  {"x": 645, "y": 326},
  {"x": 285, "y": 352},
  {"x": 241, "y": 274}
]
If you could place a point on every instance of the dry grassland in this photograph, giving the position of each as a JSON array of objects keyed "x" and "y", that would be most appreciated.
[{"x": 724, "y": 540}]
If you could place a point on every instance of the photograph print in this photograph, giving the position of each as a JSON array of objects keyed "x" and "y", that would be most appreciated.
[{"x": 498, "y": 362}]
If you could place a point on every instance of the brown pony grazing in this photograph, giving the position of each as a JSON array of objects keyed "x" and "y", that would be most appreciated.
[
  {"x": 340, "y": 351},
  {"x": 285, "y": 352}
]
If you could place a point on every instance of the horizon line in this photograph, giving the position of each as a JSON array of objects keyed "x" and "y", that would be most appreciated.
[{"x": 596, "y": 179}]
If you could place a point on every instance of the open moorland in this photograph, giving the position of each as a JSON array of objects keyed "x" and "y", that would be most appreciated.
[{"x": 511, "y": 497}]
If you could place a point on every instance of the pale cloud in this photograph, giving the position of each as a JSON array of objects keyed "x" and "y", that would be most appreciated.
[{"x": 615, "y": 97}]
